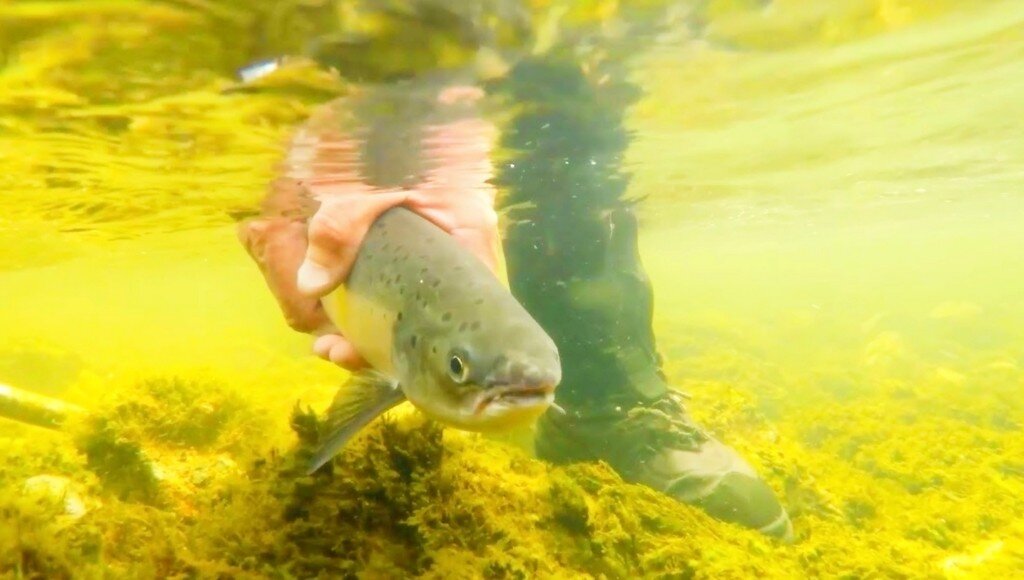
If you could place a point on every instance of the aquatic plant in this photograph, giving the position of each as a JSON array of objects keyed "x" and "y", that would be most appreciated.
[
  {"x": 405, "y": 499},
  {"x": 870, "y": 497}
]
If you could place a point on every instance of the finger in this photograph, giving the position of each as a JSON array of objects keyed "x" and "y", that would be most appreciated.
[
  {"x": 277, "y": 246},
  {"x": 336, "y": 349},
  {"x": 485, "y": 245},
  {"x": 322, "y": 345},
  {"x": 472, "y": 221},
  {"x": 334, "y": 236}
]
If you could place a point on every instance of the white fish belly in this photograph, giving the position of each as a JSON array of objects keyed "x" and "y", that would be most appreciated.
[{"x": 367, "y": 324}]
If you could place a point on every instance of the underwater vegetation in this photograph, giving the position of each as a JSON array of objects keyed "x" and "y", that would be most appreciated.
[
  {"x": 160, "y": 495},
  {"x": 898, "y": 485}
]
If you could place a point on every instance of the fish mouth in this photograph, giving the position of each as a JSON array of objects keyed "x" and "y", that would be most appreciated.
[{"x": 516, "y": 396}]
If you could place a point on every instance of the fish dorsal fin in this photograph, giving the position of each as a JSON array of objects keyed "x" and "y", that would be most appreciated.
[{"x": 366, "y": 396}]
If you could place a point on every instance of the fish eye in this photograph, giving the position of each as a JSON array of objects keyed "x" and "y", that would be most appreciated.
[{"x": 457, "y": 368}]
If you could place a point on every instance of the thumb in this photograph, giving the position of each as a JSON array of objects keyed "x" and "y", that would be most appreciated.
[{"x": 334, "y": 236}]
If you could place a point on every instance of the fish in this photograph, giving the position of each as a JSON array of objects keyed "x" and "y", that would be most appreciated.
[{"x": 439, "y": 330}]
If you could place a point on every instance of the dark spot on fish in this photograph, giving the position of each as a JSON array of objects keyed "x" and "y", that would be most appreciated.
[
  {"x": 479, "y": 301},
  {"x": 398, "y": 278},
  {"x": 462, "y": 327},
  {"x": 423, "y": 270},
  {"x": 436, "y": 282},
  {"x": 446, "y": 316},
  {"x": 412, "y": 341},
  {"x": 433, "y": 349},
  {"x": 475, "y": 325},
  {"x": 386, "y": 246},
  {"x": 399, "y": 317}
]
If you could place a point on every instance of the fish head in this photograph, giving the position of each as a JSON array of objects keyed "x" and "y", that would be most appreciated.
[{"x": 499, "y": 374}]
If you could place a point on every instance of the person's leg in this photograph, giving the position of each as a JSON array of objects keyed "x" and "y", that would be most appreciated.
[{"x": 574, "y": 264}]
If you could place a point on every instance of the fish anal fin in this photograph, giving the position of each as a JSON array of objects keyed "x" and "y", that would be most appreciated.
[{"x": 366, "y": 396}]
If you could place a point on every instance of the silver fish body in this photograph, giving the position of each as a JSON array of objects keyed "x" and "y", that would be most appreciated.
[{"x": 440, "y": 330}]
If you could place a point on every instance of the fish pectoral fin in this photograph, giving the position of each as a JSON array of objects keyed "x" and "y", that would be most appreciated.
[{"x": 366, "y": 396}]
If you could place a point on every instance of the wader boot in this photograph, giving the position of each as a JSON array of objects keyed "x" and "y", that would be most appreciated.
[
  {"x": 619, "y": 408},
  {"x": 573, "y": 262}
]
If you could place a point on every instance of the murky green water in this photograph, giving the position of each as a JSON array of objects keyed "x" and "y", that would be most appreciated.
[{"x": 832, "y": 222}]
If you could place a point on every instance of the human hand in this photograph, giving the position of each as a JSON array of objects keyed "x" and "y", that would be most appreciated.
[
  {"x": 301, "y": 263},
  {"x": 301, "y": 267}
]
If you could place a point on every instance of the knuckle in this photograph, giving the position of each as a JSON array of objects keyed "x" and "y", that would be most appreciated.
[
  {"x": 324, "y": 231},
  {"x": 489, "y": 218},
  {"x": 299, "y": 323},
  {"x": 250, "y": 233},
  {"x": 301, "y": 318}
]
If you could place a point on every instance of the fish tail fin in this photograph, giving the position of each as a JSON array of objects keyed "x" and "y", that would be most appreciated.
[{"x": 366, "y": 396}]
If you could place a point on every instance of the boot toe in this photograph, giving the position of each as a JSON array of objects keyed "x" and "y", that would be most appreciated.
[
  {"x": 716, "y": 479},
  {"x": 745, "y": 500}
]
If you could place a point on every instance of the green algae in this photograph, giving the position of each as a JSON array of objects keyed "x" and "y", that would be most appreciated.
[
  {"x": 871, "y": 497},
  {"x": 406, "y": 499},
  {"x": 142, "y": 447},
  {"x": 184, "y": 413}
]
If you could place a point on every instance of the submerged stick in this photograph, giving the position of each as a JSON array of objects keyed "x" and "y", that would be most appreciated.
[{"x": 34, "y": 409}]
